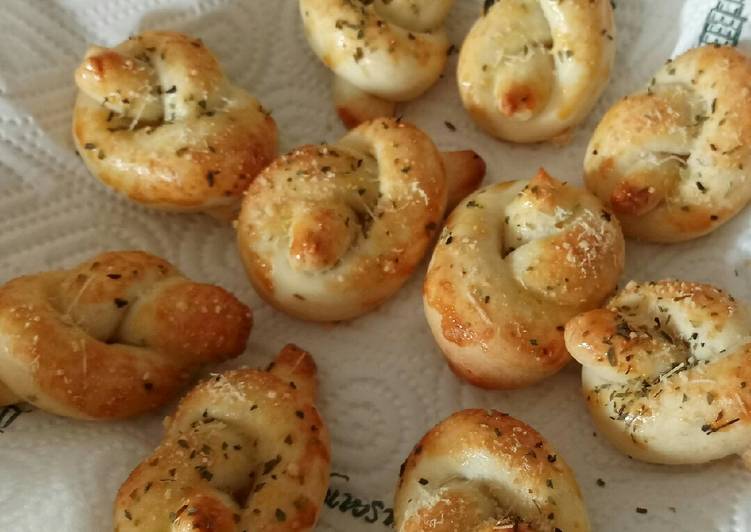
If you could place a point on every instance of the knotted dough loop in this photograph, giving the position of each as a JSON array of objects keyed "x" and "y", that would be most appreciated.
[
  {"x": 157, "y": 120},
  {"x": 667, "y": 371},
  {"x": 245, "y": 451},
  {"x": 514, "y": 263},
  {"x": 531, "y": 70},
  {"x": 674, "y": 161},
  {"x": 113, "y": 337},
  {"x": 484, "y": 471},
  {"x": 380, "y": 51},
  {"x": 329, "y": 232}
]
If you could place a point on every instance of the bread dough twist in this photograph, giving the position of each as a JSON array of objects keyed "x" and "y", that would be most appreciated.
[
  {"x": 157, "y": 120},
  {"x": 531, "y": 70},
  {"x": 113, "y": 337},
  {"x": 329, "y": 232},
  {"x": 667, "y": 371},
  {"x": 514, "y": 263},
  {"x": 246, "y": 450},
  {"x": 673, "y": 161},
  {"x": 484, "y": 471},
  {"x": 381, "y": 51}
]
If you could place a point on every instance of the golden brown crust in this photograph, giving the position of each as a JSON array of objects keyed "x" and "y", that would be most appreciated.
[
  {"x": 114, "y": 337},
  {"x": 296, "y": 367},
  {"x": 481, "y": 470},
  {"x": 157, "y": 120},
  {"x": 382, "y": 51},
  {"x": 493, "y": 300},
  {"x": 330, "y": 232},
  {"x": 465, "y": 170},
  {"x": 665, "y": 371},
  {"x": 674, "y": 160},
  {"x": 245, "y": 450},
  {"x": 355, "y": 107},
  {"x": 203, "y": 513},
  {"x": 530, "y": 70}
]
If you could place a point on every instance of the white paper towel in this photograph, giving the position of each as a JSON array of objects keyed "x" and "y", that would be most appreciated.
[{"x": 383, "y": 380}]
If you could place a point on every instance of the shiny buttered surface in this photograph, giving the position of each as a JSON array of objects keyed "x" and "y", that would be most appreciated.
[
  {"x": 246, "y": 450},
  {"x": 329, "y": 232},
  {"x": 157, "y": 120},
  {"x": 392, "y": 50},
  {"x": 513, "y": 264},
  {"x": 530, "y": 70},
  {"x": 673, "y": 161},
  {"x": 113, "y": 337},
  {"x": 482, "y": 471},
  {"x": 667, "y": 371}
]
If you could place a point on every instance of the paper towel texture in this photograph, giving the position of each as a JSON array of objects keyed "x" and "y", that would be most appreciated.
[{"x": 383, "y": 381}]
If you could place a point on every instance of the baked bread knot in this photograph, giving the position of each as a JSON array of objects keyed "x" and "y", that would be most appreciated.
[
  {"x": 246, "y": 450},
  {"x": 673, "y": 161},
  {"x": 381, "y": 52},
  {"x": 531, "y": 70},
  {"x": 113, "y": 337},
  {"x": 157, "y": 120},
  {"x": 514, "y": 263},
  {"x": 329, "y": 232},
  {"x": 484, "y": 471},
  {"x": 667, "y": 371}
]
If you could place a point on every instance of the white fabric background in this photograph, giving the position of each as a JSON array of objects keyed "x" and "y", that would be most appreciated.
[{"x": 382, "y": 378}]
